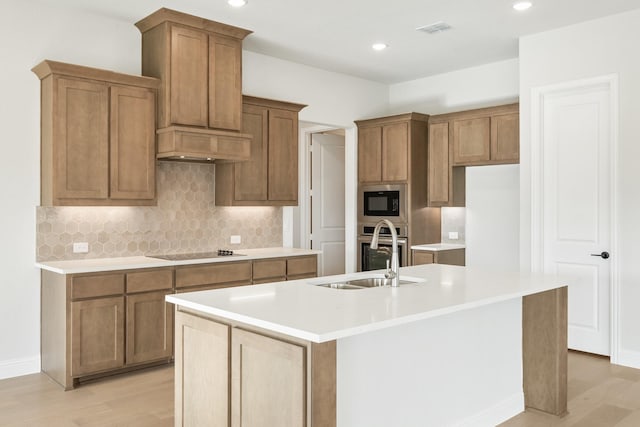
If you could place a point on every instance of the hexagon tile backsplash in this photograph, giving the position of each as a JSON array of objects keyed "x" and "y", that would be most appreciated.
[{"x": 185, "y": 220}]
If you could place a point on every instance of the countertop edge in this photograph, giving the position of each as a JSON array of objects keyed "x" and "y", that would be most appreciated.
[{"x": 97, "y": 265}]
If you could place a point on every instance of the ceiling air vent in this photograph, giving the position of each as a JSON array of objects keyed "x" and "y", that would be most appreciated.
[{"x": 435, "y": 28}]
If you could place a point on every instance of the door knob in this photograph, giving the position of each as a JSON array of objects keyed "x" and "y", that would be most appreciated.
[{"x": 603, "y": 255}]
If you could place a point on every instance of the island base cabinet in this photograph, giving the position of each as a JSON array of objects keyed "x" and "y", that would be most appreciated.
[
  {"x": 97, "y": 335},
  {"x": 267, "y": 381},
  {"x": 201, "y": 372}
]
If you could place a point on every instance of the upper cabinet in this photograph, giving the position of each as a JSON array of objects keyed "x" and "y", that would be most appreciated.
[
  {"x": 386, "y": 146},
  {"x": 200, "y": 65},
  {"x": 270, "y": 176},
  {"x": 486, "y": 136},
  {"x": 97, "y": 136}
]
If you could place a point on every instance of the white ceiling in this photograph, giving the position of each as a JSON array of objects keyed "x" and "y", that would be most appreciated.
[{"x": 337, "y": 35}]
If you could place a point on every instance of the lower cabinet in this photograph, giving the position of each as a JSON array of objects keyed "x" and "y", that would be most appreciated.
[
  {"x": 449, "y": 256},
  {"x": 254, "y": 379},
  {"x": 267, "y": 381},
  {"x": 97, "y": 335},
  {"x": 202, "y": 372},
  {"x": 149, "y": 327}
]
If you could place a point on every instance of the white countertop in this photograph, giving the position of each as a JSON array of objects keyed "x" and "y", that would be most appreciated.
[
  {"x": 128, "y": 263},
  {"x": 299, "y": 309},
  {"x": 438, "y": 247}
]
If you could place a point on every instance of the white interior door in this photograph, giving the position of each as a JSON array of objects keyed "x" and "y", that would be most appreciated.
[
  {"x": 577, "y": 199},
  {"x": 327, "y": 202}
]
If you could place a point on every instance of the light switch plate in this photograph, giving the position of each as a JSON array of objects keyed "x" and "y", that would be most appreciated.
[
  {"x": 453, "y": 235},
  {"x": 235, "y": 239},
  {"x": 80, "y": 248}
]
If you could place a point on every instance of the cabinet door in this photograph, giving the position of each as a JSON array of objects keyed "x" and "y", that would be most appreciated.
[
  {"x": 395, "y": 150},
  {"x": 251, "y": 176},
  {"x": 82, "y": 132},
  {"x": 97, "y": 335},
  {"x": 225, "y": 83},
  {"x": 438, "y": 165},
  {"x": 189, "y": 77},
  {"x": 202, "y": 372},
  {"x": 283, "y": 156},
  {"x": 269, "y": 270},
  {"x": 471, "y": 141},
  {"x": 133, "y": 143},
  {"x": 149, "y": 327},
  {"x": 422, "y": 257},
  {"x": 505, "y": 138},
  {"x": 267, "y": 381},
  {"x": 370, "y": 154}
]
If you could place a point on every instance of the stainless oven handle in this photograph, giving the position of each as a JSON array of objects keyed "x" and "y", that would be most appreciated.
[{"x": 385, "y": 240}]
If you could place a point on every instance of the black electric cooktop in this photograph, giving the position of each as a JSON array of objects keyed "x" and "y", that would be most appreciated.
[{"x": 197, "y": 255}]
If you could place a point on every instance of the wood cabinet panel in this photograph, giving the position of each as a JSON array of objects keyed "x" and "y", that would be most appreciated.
[
  {"x": 438, "y": 165},
  {"x": 269, "y": 268},
  {"x": 395, "y": 150},
  {"x": 249, "y": 176},
  {"x": 149, "y": 327},
  {"x": 202, "y": 372},
  {"x": 189, "y": 77},
  {"x": 98, "y": 285},
  {"x": 97, "y": 136},
  {"x": 268, "y": 385},
  {"x": 422, "y": 257},
  {"x": 270, "y": 177},
  {"x": 370, "y": 154},
  {"x": 283, "y": 156},
  {"x": 81, "y": 140},
  {"x": 303, "y": 265},
  {"x": 505, "y": 138},
  {"x": 97, "y": 335},
  {"x": 133, "y": 143},
  {"x": 220, "y": 273},
  {"x": 150, "y": 280},
  {"x": 225, "y": 82},
  {"x": 471, "y": 140}
]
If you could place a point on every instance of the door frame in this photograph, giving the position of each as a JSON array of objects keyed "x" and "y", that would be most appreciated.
[
  {"x": 350, "y": 193},
  {"x": 538, "y": 96}
]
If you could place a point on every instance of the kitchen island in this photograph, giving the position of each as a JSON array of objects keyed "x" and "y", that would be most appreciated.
[{"x": 456, "y": 347}]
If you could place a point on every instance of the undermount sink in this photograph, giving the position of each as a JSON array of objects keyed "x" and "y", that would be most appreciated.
[{"x": 366, "y": 282}]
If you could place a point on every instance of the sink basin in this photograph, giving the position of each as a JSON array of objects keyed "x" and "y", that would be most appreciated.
[{"x": 366, "y": 282}]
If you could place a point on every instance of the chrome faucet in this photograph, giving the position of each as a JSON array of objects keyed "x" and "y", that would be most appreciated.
[{"x": 392, "y": 273}]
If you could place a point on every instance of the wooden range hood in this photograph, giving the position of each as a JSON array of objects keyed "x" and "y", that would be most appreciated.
[{"x": 199, "y": 63}]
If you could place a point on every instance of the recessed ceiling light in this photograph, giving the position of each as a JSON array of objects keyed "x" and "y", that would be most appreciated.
[
  {"x": 379, "y": 46},
  {"x": 522, "y": 5},
  {"x": 237, "y": 3}
]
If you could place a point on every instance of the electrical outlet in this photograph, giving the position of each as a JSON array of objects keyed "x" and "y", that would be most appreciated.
[
  {"x": 453, "y": 235},
  {"x": 80, "y": 248},
  {"x": 235, "y": 239}
]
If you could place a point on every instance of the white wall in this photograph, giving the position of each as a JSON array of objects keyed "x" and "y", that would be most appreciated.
[
  {"x": 590, "y": 49},
  {"x": 476, "y": 87},
  {"x": 33, "y": 31},
  {"x": 493, "y": 217}
]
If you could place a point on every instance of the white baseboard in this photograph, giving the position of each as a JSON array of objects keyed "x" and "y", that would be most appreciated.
[
  {"x": 496, "y": 414},
  {"x": 628, "y": 358},
  {"x": 19, "y": 367}
]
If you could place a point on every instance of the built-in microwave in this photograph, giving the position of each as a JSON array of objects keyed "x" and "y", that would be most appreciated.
[{"x": 376, "y": 202}]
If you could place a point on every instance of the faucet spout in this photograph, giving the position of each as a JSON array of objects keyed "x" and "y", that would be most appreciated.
[{"x": 394, "y": 274}]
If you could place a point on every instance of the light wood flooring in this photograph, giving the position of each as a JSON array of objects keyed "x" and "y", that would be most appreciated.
[{"x": 600, "y": 395}]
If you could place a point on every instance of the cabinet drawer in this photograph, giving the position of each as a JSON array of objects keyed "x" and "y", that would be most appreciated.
[
  {"x": 152, "y": 280},
  {"x": 97, "y": 286},
  {"x": 302, "y": 265},
  {"x": 263, "y": 269},
  {"x": 233, "y": 272}
]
